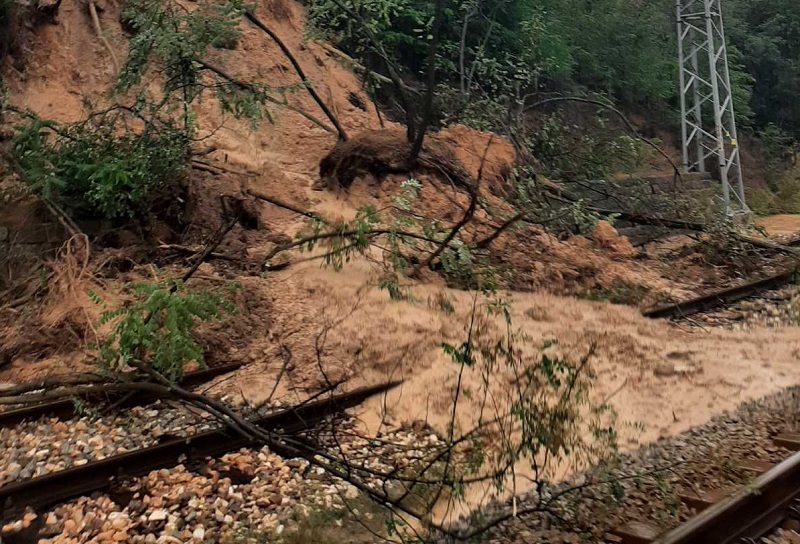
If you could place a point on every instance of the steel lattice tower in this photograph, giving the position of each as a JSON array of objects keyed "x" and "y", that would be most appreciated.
[{"x": 708, "y": 124}]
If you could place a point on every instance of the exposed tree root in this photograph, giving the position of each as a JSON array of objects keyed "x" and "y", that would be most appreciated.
[{"x": 382, "y": 152}]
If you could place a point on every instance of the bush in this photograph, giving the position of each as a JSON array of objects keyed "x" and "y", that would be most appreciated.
[{"x": 97, "y": 169}]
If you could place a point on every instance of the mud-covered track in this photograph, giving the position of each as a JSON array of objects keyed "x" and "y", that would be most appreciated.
[
  {"x": 720, "y": 298},
  {"x": 732, "y": 515},
  {"x": 65, "y": 408},
  {"x": 44, "y": 491},
  {"x": 748, "y": 514}
]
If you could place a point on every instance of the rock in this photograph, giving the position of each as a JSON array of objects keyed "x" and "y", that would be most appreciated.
[
  {"x": 157, "y": 515},
  {"x": 70, "y": 527},
  {"x": 105, "y": 536},
  {"x": 670, "y": 369},
  {"x": 119, "y": 523},
  {"x": 198, "y": 534}
]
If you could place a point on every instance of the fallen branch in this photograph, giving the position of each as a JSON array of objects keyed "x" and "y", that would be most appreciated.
[
  {"x": 297, "y": 68},
  {"x": 189, "y": 251},
  {"x": 244, "y": 85},
  {"x": 286, "y": 206}
]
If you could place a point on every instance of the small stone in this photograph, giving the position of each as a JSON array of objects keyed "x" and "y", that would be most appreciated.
[
  {"x": 70, "y": 527},
  {"x": 157, "y": 515},
  {"x": 199, "y": 533}
]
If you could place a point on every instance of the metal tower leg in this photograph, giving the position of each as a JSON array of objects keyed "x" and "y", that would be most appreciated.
[{"x": 705, "y": 78}]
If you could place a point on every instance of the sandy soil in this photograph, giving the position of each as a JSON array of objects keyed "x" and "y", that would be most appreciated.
[
  {"x": 342, "y": 325},
  {"x": 653, "y": 372},
  {"x": 780, "y": 225}
]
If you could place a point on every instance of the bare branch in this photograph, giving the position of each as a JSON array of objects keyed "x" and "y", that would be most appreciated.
[{"x": 297, "y": 68}]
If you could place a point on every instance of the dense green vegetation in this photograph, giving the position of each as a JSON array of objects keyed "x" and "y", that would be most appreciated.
[{"x": 624, "y": 49}]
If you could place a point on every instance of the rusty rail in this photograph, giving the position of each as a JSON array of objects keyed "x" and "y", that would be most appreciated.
[
  {"x": 44, "y": 491},
  {"x": 720, "y": 298},
  {"x": 748, "y": 514},
  {"x": 65, "y": 408}
]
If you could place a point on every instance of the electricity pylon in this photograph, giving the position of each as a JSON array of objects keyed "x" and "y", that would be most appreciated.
[{"x": 705, "y": 83}]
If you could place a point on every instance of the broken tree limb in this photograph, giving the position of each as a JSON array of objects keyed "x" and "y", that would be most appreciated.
[
  {"x": 244, "y": 85},
  {"x": 285, "y": 205},
  {"x": 297, "y": 68}
]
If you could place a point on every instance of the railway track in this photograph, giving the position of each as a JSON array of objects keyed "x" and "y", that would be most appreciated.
[
  {"x": 720, "y": 298},
  {"x": 65, "y": 408},
  {"x": 45, "y": 491},
  {"x": 732, "y": 515}
]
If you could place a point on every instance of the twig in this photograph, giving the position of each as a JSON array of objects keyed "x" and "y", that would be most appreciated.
[
  {"x": 207, "y": 252},
  {"x": 189, "y": 251},
  {"x": 65, "y": 220},
  {"x": 244, "y": 85},
  {"x": 287, "y": 358}
]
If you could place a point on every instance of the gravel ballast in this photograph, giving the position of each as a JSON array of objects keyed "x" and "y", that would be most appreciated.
[{"x": 649, "y": 480}]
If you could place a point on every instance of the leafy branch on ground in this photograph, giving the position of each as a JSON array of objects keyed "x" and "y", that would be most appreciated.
[{"x": 157, "y": 327}]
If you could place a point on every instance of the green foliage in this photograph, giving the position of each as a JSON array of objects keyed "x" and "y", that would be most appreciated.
[
  {"x": 403, "y": 234},
  {"x": 174, "y": 42},
  {"x": 96, "y": 168},
  {"x": 624, "y": 49},
  {"x": 767, "y": 35},
  {"x": 505, "y": 42},
  {"x": 723, "y": 247},
  {"x": 549, "y": 418},
  {"x": 777, "y": 146},
  {"x": 782, "y": 196},
  {"x": 574, "y": 153},
  {"x": 156, "y": 327},
  {"x": 620, "y": 47}
]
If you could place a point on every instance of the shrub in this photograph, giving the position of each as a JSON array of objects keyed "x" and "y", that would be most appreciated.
[{"x": 95, "y": 168}]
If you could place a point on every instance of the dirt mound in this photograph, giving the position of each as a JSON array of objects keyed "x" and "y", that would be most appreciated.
[
  {"x": 486, "y": 156},
  {"x": 608, "y": 237}
]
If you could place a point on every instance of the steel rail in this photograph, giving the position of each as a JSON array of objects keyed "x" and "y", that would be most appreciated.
[
  {"x": 65, "y": 408},
  {"x": 720, "y": 298},
  {"x": 748, "y": 514},
  {"x": 44, "y": 491}
]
